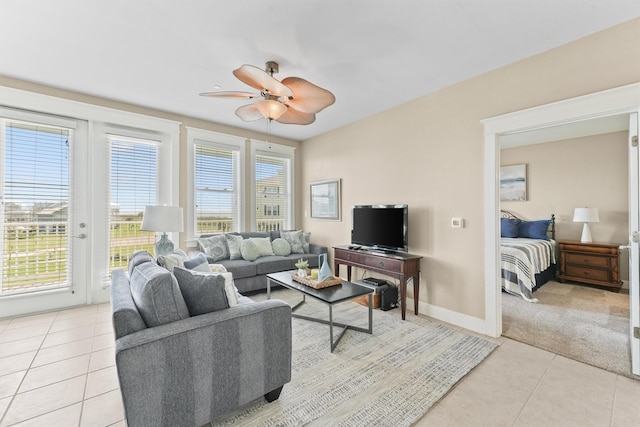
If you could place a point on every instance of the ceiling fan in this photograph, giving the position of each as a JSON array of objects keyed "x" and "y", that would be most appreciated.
[{"x": 291, "y": 101}]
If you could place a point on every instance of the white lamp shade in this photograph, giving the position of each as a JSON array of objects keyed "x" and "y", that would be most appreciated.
[
  {"x": 270, "y": 109},
  {"x": 162, "y": 218},
  {"x": 586, "y": 215}
]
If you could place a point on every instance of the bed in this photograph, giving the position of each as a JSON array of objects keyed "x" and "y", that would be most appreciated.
[{"x": 527, "y": 254}]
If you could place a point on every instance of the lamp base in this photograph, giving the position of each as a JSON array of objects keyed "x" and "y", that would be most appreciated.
[
  {"x": 586, "y": 234},
  {"x": 164, "y": 245}
]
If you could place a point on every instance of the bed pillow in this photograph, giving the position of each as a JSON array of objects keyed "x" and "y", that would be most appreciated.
[
  {"x": 509, "y": 227},
  {"x": 534, "y": 229}
]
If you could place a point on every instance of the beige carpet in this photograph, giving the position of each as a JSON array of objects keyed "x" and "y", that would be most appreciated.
[
  {"x": 389, "y": 378},
  {"x": 582, "y": 323}
]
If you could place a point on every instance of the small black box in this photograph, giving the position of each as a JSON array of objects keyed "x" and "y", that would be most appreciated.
[{"x": 388, "y": 297}]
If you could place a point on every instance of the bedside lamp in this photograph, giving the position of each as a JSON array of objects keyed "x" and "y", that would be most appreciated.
[
  {"x": 162, "y": 219},
  {"x": 586, "y": 215}
]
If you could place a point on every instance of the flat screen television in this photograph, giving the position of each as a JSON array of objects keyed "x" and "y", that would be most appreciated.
[{"x": 380, "y": 227}]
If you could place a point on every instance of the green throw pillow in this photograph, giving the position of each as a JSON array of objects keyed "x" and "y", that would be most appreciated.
[
  {"x": 280, "y": 247},
  {"x": 264, "y": 245},
  {"x": 249, "y": 250}
]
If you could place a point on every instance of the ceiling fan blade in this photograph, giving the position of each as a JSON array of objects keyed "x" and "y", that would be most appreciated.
[
  {"x": 261, "y": 80},
  {"x": 231, "y": 94},
  {"x": 308, "y": 97},
  {"x": 249, "y": 113},
  {"x": 296, "y": 117}
]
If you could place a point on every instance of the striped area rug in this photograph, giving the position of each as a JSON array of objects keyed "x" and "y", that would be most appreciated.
[{"x": 390, "y": 378}]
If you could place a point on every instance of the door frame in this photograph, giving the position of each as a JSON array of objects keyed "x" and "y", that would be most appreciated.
[{"x": 612, "y": 102}]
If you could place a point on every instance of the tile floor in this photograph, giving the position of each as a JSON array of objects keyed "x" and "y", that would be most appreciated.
[{"x": 57, "y": 369}]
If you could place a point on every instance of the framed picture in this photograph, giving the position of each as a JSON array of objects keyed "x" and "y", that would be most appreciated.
[
  {"x": 513, "y": 183},
  {"x": 325, "y": 199}
]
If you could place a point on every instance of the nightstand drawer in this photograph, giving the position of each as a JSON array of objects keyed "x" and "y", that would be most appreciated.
[
  {"x": 586, "y": 259},
  {"x": 587, "y": 272}
]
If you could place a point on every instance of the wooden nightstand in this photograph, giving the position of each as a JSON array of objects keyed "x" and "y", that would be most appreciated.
[{"x": 592, "y": 263}]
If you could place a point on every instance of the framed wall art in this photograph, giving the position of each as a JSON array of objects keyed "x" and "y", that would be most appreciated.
[
  {"x": 325, "y": 199},
  {"x": 513, "y": 183}
]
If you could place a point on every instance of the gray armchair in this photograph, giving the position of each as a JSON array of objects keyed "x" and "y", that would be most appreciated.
[{"x": 192, "y": 370}]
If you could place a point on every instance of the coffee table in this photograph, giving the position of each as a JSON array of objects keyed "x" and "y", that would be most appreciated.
[{"x": 330, "y": 295}]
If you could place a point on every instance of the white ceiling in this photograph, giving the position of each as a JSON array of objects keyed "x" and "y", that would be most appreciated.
[{"x": 372, "y": 54}]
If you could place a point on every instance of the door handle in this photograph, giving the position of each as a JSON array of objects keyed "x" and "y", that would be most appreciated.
[{"x": 81, "y": 236}]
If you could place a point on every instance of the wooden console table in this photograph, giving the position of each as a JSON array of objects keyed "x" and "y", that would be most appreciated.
[{"x": 399, "y": 265}]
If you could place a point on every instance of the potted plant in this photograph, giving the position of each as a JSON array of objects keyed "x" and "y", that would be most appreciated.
[{"x": 302, "y": 266}]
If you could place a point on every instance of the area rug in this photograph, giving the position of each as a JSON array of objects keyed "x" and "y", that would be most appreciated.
[
  {"x": 582, "y": 323},
  {"x": 389, "y": 378}
]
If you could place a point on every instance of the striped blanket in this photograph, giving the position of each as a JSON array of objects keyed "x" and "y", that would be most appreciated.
[{"x": 520, "y": 260}]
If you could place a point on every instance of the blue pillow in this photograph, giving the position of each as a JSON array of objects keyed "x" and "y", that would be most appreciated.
[
  {"x": 534, "y": 229},
  {"x": 509, "y": 227},
  {"x": 195, "y": 261}
]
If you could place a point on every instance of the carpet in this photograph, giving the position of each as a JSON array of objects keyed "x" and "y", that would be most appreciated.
[
  {"x": 389, "y": 378},
  {"x": 582, "y": 323}
]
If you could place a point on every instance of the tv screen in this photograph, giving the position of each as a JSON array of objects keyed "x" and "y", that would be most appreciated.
[{"x": 380, "y": 226}]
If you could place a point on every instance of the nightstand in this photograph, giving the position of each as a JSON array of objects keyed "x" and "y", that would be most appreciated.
[{"x": 592, "y": 263}]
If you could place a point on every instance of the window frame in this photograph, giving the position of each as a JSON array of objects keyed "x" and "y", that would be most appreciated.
[
  {"x": 275, "y": 150},
  {"x": 218, "y": 140}
]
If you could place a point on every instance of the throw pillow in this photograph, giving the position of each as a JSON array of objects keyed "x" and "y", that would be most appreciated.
[
  {"x": 203, "y": 293},
  {"x": 534, "y": 229},
  {"x": 217, "y": 268},
  {"x": 157, "y": 295},
  {"x": 509, "y": 227},
  {"x": 249, "y": 250},
  {"x": 306, "y": 240},
  {"x": 233, "y": 242},
  {"x": 198, "y": 263},
  {"x": 215, "y": 246},
  {"x": 280, "y": 247},
  {"x": 294, "y": 238},
  {"x": 230, "y": 289},
  {"x": 174, "y": 259},
  {"x": 264, "y": 245}
]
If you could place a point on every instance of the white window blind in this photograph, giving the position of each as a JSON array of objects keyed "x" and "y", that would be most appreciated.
[
  {"x": 133, "y": 185},
  {"x": 273, "y": 191},
  {"x": 216, "y": 189},
  {"x": 35, "y": 206}
]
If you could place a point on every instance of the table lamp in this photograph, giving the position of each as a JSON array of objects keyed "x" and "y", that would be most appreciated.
[
  {"x": 162, "y": 219},
  {"x": 586, "y": 215}
]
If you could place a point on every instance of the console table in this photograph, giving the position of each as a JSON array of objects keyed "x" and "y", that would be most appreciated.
[{"x": 399, "y": 265}]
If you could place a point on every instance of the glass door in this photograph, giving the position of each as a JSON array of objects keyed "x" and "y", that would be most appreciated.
[{"x": 43, "y": 255}]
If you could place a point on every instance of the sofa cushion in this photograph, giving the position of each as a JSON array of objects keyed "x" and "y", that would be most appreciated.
[
  {"x": 215, "y": 246},
  {"x": 272, "y": 264},
  {"x": 157, "y": 295},
  {"x": 240, "y": 268},
  {"x": 294, "y": 238},
  {"x": 233, "y": 242},
  {"x": 281, "y": 247},
  {"x": 138, "y": 258},
  {"x": 203, "y": 293},
  {"x": 249, "y": 250}
]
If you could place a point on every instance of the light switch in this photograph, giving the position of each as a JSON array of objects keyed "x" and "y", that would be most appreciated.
[{"x": 457, "y": 222}]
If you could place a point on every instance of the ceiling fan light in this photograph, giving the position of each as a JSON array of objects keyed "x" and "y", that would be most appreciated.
[{"x": 270, "y": 109}]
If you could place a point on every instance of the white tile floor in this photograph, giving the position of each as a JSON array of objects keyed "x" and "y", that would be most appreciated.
[{"x": 58, "y": 369}]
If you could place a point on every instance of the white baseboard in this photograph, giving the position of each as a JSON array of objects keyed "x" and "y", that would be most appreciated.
[{"x": 452, "y": 317}]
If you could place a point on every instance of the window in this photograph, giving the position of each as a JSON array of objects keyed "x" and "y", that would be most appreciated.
[
  {"x": 216, "y": 194},
  {"x": 133, "y": 185},
  {"x": 273, "y": 187},
  {"x": 36, "y": 205}
]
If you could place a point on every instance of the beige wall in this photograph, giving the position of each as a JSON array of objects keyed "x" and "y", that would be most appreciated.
[
  {"x": 582, "y": 172},
  {"x": 429, "y": 154}
]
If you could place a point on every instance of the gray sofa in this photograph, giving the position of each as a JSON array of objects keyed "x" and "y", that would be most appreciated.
[
  {"x": 180, "y": 370},
  {"x": 251, "y": 275}
]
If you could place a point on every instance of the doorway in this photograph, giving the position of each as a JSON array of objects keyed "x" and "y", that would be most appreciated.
[{"x": 624, "y": 100}]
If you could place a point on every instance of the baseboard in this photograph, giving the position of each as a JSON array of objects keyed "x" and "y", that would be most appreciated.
[{"x": 452, "y": 317}]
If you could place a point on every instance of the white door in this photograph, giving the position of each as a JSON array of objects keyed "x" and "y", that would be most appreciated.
[
  {"x": 43, "y": 220},
  {"x": 634, "y": 243}
]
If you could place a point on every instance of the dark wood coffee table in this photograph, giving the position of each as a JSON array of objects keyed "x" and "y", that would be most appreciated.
[{"x": 330, "y": 295}]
